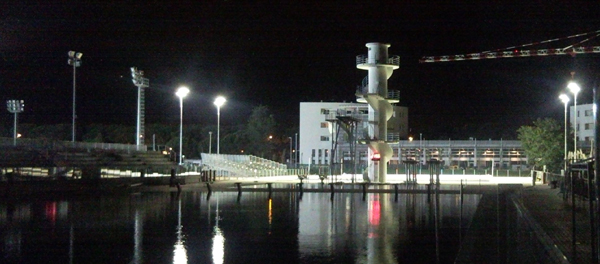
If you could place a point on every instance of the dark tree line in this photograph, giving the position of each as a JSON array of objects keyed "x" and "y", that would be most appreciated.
[{"x": 250, "y": 136}]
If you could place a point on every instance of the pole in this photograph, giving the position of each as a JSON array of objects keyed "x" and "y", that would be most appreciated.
[
  {"x": 15, "y": 131},
  {"x": 576, "y": 126},
  {"x": 565, "y": 158},
  {"x": 218, "y": 130},
  {"x": 209, "y": 142},
  {"x": 180, "y": 129},
  {"x": 74, "y": 88},
  {"x": 420, "y": 151},
  {"x": 296, "y": 152},
  {"x": 139, "y": 119},
  {"x": 290, "y": 151}
]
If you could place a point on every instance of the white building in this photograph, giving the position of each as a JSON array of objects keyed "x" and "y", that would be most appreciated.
[
  {"x": 319, "y": 131},
  {"x": 585, "y": 121}
]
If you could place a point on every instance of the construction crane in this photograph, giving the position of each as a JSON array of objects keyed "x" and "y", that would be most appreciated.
[{"x": 516, "y": 52}]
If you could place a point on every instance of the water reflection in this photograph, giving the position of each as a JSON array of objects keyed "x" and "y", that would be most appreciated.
[
  {"x": 226, "y": 229},
  {"x": 179, "y": 252},
  {"x": 218, "y": 241}
]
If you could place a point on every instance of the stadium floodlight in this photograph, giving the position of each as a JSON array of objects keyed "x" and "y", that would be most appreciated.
[
  {"x": 138, "y": 79},
  {"x": 75, "y": 61},
  {"x": 15, "y": 107}
]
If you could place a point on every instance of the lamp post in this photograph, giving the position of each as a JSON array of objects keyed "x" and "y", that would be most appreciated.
[
  {"x": 574, "y": 88},
  {"x": 209, "y": 142},
  {"x": 290, "y": 151},
  {"x": 141, "y": 83},
  {"x": 15, "y": 107},
  {"x": 420, "y": 152},
  {"x": 75, "y": 61},
  {"x": 565, "y": 99},
  {"x": 181, "y": 93},
  {"x": 219, "y": 101}
]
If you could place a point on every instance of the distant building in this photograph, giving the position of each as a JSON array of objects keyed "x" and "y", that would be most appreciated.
[
  {"x": 321, "y": 133},
  {"x": 585, "y": 121}
]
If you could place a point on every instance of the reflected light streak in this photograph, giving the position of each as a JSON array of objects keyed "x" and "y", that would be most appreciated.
[
  {"x": 179, "y": 252},
  {"x": 270, "y": 212},
  {"x": 218, "y": 248},
  {"x": 375, "y": 213}
]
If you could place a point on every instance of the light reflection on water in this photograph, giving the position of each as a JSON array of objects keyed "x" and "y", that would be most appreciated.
[{"x": 288, "y": 228}]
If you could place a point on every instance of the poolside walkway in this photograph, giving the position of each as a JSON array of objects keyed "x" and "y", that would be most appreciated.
[{"x": 555, "y": 216}]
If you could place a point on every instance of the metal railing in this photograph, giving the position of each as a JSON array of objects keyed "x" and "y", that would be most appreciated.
[
  {"x": 61, "y": 145},
  {"x": 244, "y": 165},
  {"x": 363, "y": 59}
]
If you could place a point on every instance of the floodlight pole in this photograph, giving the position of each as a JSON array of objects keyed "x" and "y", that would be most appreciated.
[
  {"x": 75, "y": 61},
  {"x": 209, "y": 142},
  {"x": 141, "y": 83},
  {"x": 565, "y": 99},
  {"x": 290, "y": 151},
  {"x": 181, "y": 93},
  {"x": 219, "y": 101},
  {"x": 15, "y": 107},
  {"x": 574, "y": 88}
]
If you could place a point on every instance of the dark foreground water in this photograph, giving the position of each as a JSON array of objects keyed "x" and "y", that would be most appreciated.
[{"x": 196, "y": 228}]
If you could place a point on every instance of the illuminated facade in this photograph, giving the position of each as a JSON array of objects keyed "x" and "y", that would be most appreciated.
[{"x": 585, "y": 121}]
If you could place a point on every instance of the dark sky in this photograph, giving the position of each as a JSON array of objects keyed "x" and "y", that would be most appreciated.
[{"x": 280, "y": 54}]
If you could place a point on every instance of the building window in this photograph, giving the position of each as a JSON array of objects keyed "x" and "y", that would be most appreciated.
[
  {"x": 326, "y": 152},
  {"x": 313, "y": 153},
  {"x": 577, "y": 127},
  {"x": 588, "y": 126},
  {"x": 588, "y": 113},
  {"x": 324, "y": 124},
  {"x": 324, "y": 111},
  {"x": 578, "y": 113},
  {"x": 587, "y": 139},
  {"x": 324, "y": 138},
  {"x": 320, "y": 154}
]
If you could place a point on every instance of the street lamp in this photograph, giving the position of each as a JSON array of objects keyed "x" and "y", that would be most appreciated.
[
  {"x": 75, "y": 61},
  {"x": 181, "y": 93},
  {"x": 15, "y": 107},
  {"x": 141, "y": 83},
  {"x": 565, "y": 99},
  {"x": 219, "y": 101},
  {"x": 574, "y": 88}
]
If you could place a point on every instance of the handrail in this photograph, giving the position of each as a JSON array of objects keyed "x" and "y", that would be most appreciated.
[
  {"x": 364, "y": 59},
  {"x": 61, "y": 145}
]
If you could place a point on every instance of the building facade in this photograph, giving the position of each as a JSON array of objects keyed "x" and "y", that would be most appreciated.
[
  {"x": 321, "y": 136},
  {"x": 320, "y": 133},
  {"x": 584, "y": 123}
]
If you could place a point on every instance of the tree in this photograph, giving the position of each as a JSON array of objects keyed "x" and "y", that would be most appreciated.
[
  {"x": 542, "y": 143},
  {"x": 261, "y": 125}
]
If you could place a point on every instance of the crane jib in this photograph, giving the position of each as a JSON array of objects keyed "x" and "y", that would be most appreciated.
[{"x": 511, "y": 54}]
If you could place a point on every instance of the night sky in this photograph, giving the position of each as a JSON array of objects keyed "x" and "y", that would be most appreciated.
[{"x": 278, "y": 55}]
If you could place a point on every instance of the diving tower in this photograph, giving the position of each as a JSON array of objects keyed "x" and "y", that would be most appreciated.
[{"x": 374, "y": 91}]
